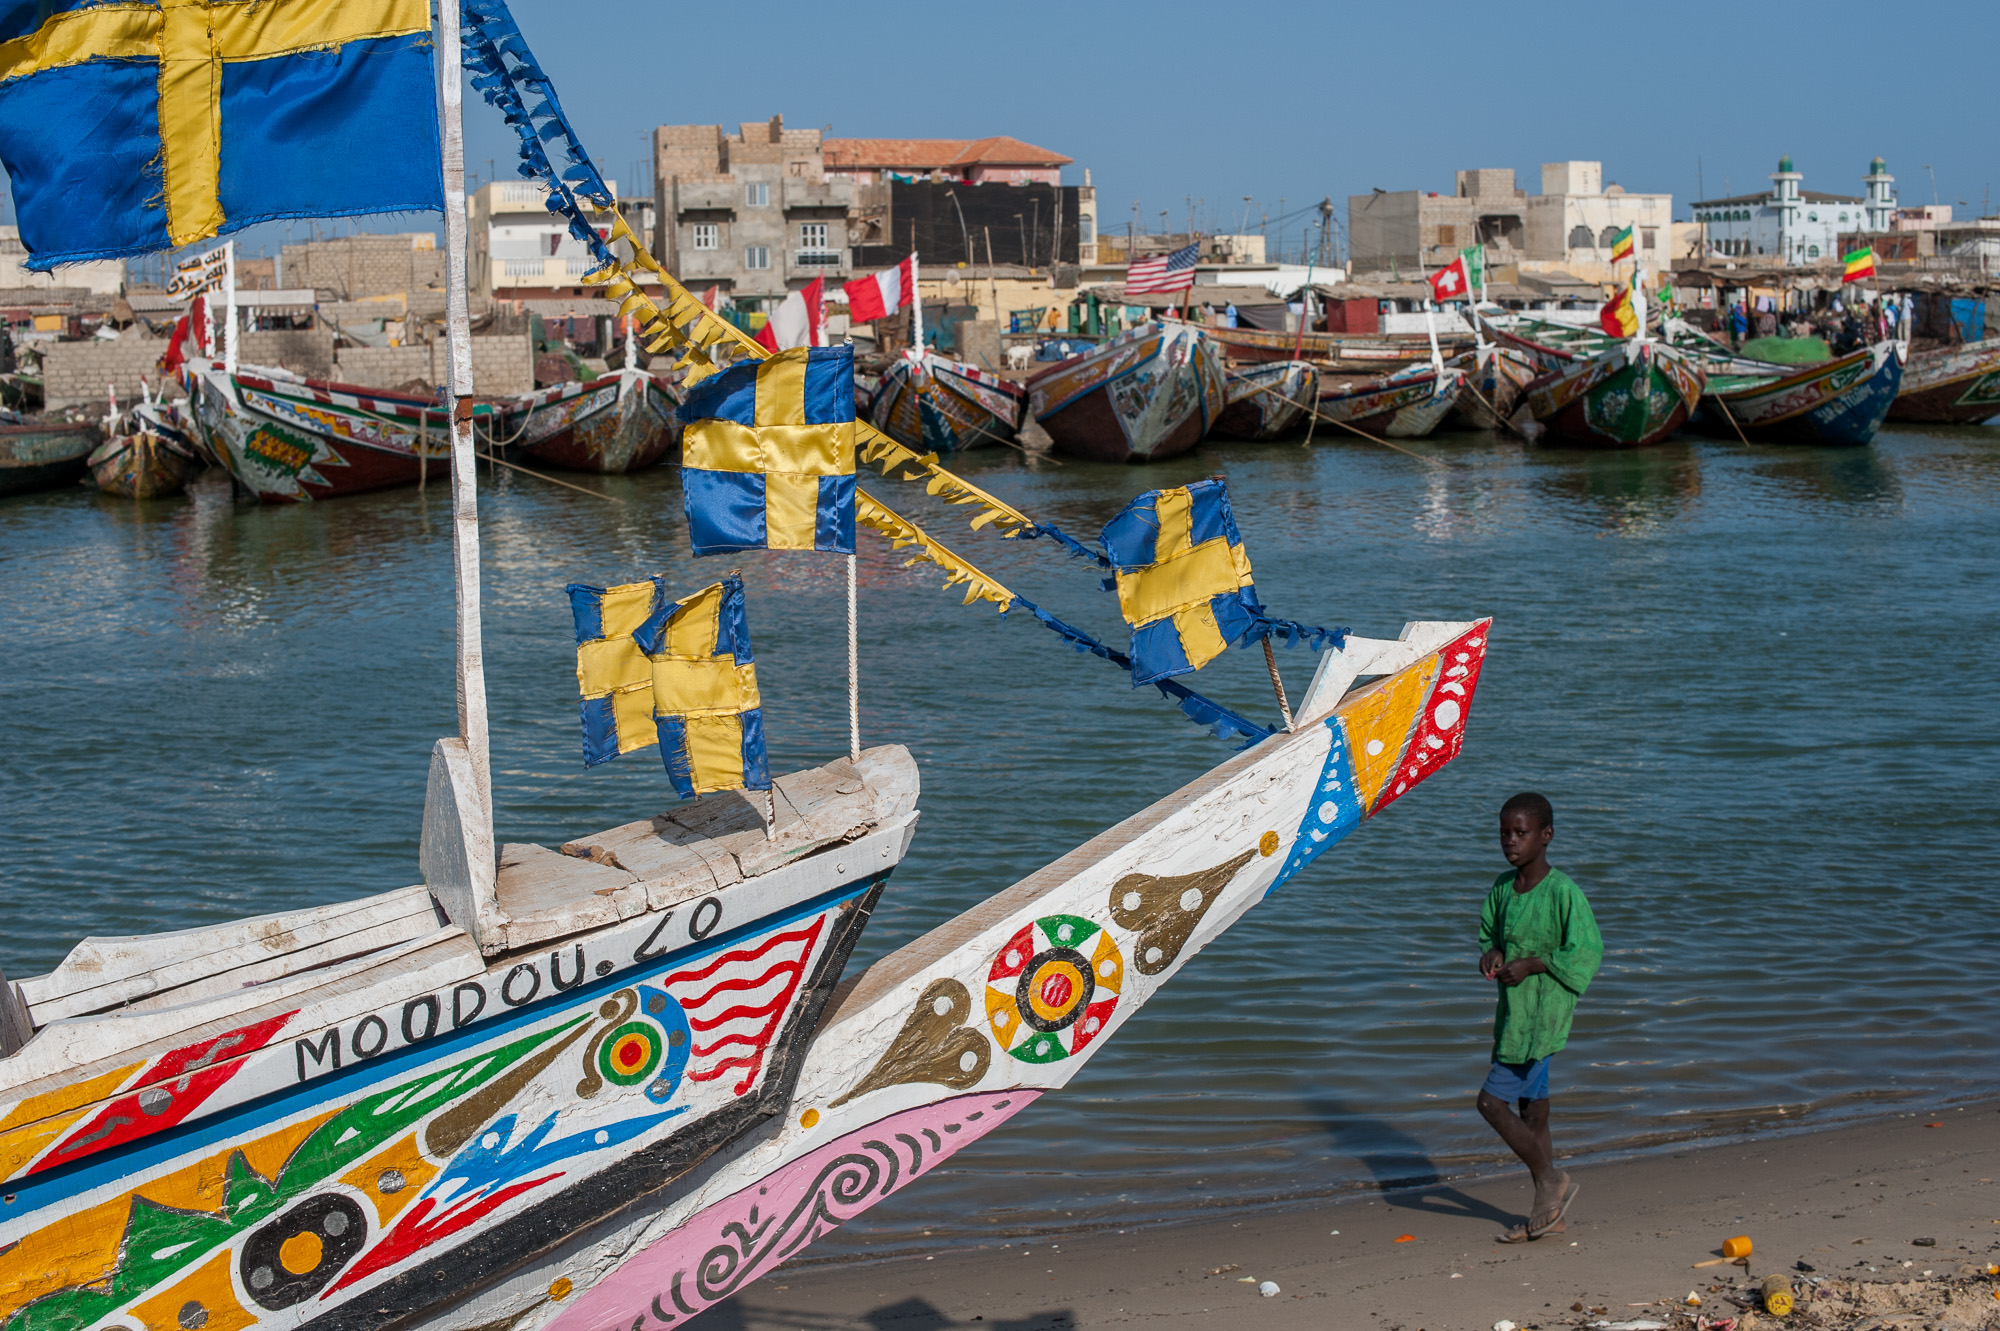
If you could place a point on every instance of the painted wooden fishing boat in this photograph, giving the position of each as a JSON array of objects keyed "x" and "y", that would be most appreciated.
[
  {"x": 1593, "y": 390},
  {"x": 1151, "y": 392},
  {"x": 285, "y": 439},
  {"x": 1838, "y": 401},
  {"x": 154, "y": 457},
  {"x": 1338, "y": 353},
  {"x": 1403, "y": 406},
  {"x": 938, "y": 405},
  {"x": 1496, "y": 377},
  {"x": 1951, "y": 385},
  {"x": 44, "y": 455},
  {"x": 1268, "y": 401},
  {"x": 620, "y": 422},
  {"x": 21, "y": 392}
]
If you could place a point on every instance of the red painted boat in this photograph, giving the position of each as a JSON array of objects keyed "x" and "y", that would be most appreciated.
[
  {"x": 1150, "y": 393},
  {"x": 1952, "y": 385},
  {"x": 1403, "y": 406}
]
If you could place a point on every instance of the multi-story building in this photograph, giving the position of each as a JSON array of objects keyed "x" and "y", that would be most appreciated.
[
  {"x": 1569, "y": 225},
  {"x": 1795, "y": 225},
  {"x": 362, "y": 267},
  {"x": 998, "y": 160},
  {"x": 751, "y": 212},
  {"x": 519, "y": 250}
]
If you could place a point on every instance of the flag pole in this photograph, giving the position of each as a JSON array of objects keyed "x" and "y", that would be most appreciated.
[
  {"x": 229, "y": 356},
  {"x": 853, "y": 664},
  {"x": 470, "y": 661},
  {"x": 1430, "y": 316},
  {"x": 916, "y": 309}
]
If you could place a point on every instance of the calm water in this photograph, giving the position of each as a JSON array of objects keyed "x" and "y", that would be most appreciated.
[{"x": 1755, "y": 682}]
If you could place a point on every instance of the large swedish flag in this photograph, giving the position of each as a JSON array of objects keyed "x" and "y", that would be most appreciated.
[
  {"x": 141, "y": 125},
  {"x": 767, "y": 459},
  {"x": 1183, "y": 579},
  {"x": 676, "y": 673}
]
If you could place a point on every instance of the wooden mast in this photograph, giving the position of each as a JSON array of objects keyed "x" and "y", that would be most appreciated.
[{"x": 457, "y": 849}]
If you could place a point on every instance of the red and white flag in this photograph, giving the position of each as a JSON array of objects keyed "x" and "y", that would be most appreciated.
[
  {"x": 883, "y": 294},
  {"x": 797, "y": 322},
  {"x": 1451, "y": 282},
  {"x": 710, "y": 296}
]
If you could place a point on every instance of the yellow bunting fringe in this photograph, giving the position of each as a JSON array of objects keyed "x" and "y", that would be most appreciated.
[
  {"x": 709, "y": 343},
  {"x": 870, "y": 512},
  {"x": 893, "y": 458}
]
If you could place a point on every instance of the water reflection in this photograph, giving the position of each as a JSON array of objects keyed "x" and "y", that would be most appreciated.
[
  {"x": 1851, "y": 476},
  {"x": 1626, "y": 491}
]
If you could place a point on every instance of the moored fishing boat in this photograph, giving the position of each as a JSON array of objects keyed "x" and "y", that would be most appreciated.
[
  {"x": 1403, "y": 406},
  {"x": 1951, "y": 385},
  {"x": 1150, "y": 393},
  {"x": 1495, "y": 381},
  {"x": 620, "y": 422},
  {"x": 1337, "y": 353},
  {"x": 940, "y": 405},
  {"x": 38, "y": 455},
  {"x": 1267, "y": 401},
  {"x": 1839, "y": 401},
  {"x": 154, "y": 456},
  {"x": 1594, "y": 390},
  {"x": 285, "y": 439}
]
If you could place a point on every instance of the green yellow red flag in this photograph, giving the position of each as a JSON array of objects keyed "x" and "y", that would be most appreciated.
[{"x": 1858, "y": 263}]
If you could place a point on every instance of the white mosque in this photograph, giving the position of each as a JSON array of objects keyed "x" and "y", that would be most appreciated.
[{"x": 1797, "y": 225}]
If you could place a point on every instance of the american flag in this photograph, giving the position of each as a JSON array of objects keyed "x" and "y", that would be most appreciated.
[{"x": 1169, "y": 272}]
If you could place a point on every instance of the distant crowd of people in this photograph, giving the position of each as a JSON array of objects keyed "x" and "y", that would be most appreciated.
[{"x": 1844, "y": 326}]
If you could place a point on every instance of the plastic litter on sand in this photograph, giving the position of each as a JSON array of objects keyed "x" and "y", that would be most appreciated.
[{"x": 1269, "y": 1289}]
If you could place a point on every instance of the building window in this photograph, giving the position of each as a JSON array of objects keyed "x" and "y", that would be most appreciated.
[
  {"x": 1447, "y": 235},
  {"x": 1608, "y": 235},
  {"x": 1086, "y": 228},
  {"x": 757, "y": 194},
  {"x": 812, "y": 236},
  {"x": 1812, "y": 251},
  {"x": 757, "y": 256},
  {"x": 707, "y": 236},
  {"x": 1649, "y": 238},
  {"x": 1581, "y": 239}
]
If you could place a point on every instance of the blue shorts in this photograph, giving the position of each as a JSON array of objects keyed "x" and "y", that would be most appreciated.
[{"x": 1514, "y": 1082}]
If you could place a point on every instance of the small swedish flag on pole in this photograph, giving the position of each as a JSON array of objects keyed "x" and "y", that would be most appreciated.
[
  {"x": 674, "y": 673},
  {"x": 1182, "y": 577}
]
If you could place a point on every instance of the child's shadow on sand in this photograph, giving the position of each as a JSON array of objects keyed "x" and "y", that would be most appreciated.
[{"x": 1403, "y": 1169}]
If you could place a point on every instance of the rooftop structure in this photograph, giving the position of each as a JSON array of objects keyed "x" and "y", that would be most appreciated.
[
  {"x": 997, "y": 160},
  {"x": 1794, "y": 224}
]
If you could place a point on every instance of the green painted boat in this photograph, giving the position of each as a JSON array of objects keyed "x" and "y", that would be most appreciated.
[
  {"x": 37, "y": 456},
  {"x": 1598, "y": 391}
]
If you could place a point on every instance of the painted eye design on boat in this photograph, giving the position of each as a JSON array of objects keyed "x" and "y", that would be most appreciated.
[
  {"x": 297, "y": 1255},
  {"x": 1053, "y": 987}
]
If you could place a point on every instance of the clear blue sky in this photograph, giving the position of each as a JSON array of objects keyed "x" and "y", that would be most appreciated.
[{"x": 1174, "y": 100}]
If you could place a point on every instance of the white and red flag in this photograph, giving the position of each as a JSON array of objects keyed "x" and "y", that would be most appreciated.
[
  {"x": 798, "y": 321},
  {"x": 1163, "y": 274},
  {"x": 1451, "y": 282},
  {"x": 883, "y": 294}
]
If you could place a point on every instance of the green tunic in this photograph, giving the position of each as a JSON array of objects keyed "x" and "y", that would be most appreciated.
[{"x": 1551, "y": 921}]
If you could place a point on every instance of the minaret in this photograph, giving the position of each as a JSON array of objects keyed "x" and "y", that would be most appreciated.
[
  {"x": 1881, "y": 196},
  {"x": 1785, "y": 197}
]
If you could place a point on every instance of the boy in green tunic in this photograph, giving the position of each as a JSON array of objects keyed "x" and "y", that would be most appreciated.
[{"x": 1538, "y": 940}]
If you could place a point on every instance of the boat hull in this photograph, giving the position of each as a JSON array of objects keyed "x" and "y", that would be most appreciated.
[
  {"x": 1404, "y": 407},
  {"x": 943, "y": 406},
  {"x": 1620, "y": 398},
  {"x": 620, "y": 423},
  {"x": 1268, "y": 401},
  {"x": 1955, "y": 386},
  {"x": 1151, "y": 394},
  {"x": 44, "y": 457},
  {"x": 293, "y": 441},
  {"x": 142, "y": 466},
  {"x": 1493, "y": 390},
  {"x": 456, "y": 1114},
  {"x": 1842, "y": 401},
  {"x": 1340, "y": 353}
]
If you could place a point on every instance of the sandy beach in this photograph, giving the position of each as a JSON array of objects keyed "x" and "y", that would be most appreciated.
[{"x": 1852, "y": 1203}]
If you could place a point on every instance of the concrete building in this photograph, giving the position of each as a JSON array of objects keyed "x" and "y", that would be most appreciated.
[
  {"x": 1573, "y": 221},
  {"x": 1400, "y": 230},
  {"x": 519, "y": 250},
  {"x": 999, "y": 160},
  {"x": 361, "y": 267},
  {"x": 1796, "y": 225},
  {"x": 751, "y": 212},
  {"x": 103, "y": 277}
]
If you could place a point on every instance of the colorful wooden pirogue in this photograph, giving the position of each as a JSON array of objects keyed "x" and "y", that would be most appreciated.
[
  {"x": 1149, "y": 393},
  {"x": 1598, "y": 391},
  {"x": 1268, "y": 400},
  {"x": 1842, "y": 400},
  {"x": 1337, "y": 353},
  {"x": 38, "y": 455},
  {"x": 604, "y": 1085},
  {"x": 1408, "y": 405},
  {"x": 932, "y": 403},
  {"x": 1951, "y": 385},
  {"x": 616, "y": 423},
  {"x": 153, "y": 455},
  {"x": 1495, "y": 379}
]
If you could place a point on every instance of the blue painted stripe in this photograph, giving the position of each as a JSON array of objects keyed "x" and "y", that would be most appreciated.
[{"x": 47, "y": 1189}]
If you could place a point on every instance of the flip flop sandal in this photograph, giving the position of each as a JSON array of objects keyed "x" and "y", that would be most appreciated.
[
  {"x": 1555, "y": 1213},
  {"x": 1518, "y": 1234}
]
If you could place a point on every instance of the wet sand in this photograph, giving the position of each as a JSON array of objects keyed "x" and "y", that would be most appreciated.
[{"x": 1848, "y": 1201}]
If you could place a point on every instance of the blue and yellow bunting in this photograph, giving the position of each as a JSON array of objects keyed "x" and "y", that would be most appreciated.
[
  {"x": 767, "y": 458},
  {"x": 131, "y": 128},
  {"x": 1182, "y": 577},
  {"x": 674, "y": 673}
]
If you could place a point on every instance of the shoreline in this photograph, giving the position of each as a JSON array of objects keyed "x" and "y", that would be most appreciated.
[{"x": 1642, "y": 1220}]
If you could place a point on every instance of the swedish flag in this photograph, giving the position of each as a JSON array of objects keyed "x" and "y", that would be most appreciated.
[
  {"x": 1182, "y": 577},
  {"x": 767, "y": 460},
  {"x": 674, "y": 673},
  {"x": 130, "y": 127}
]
